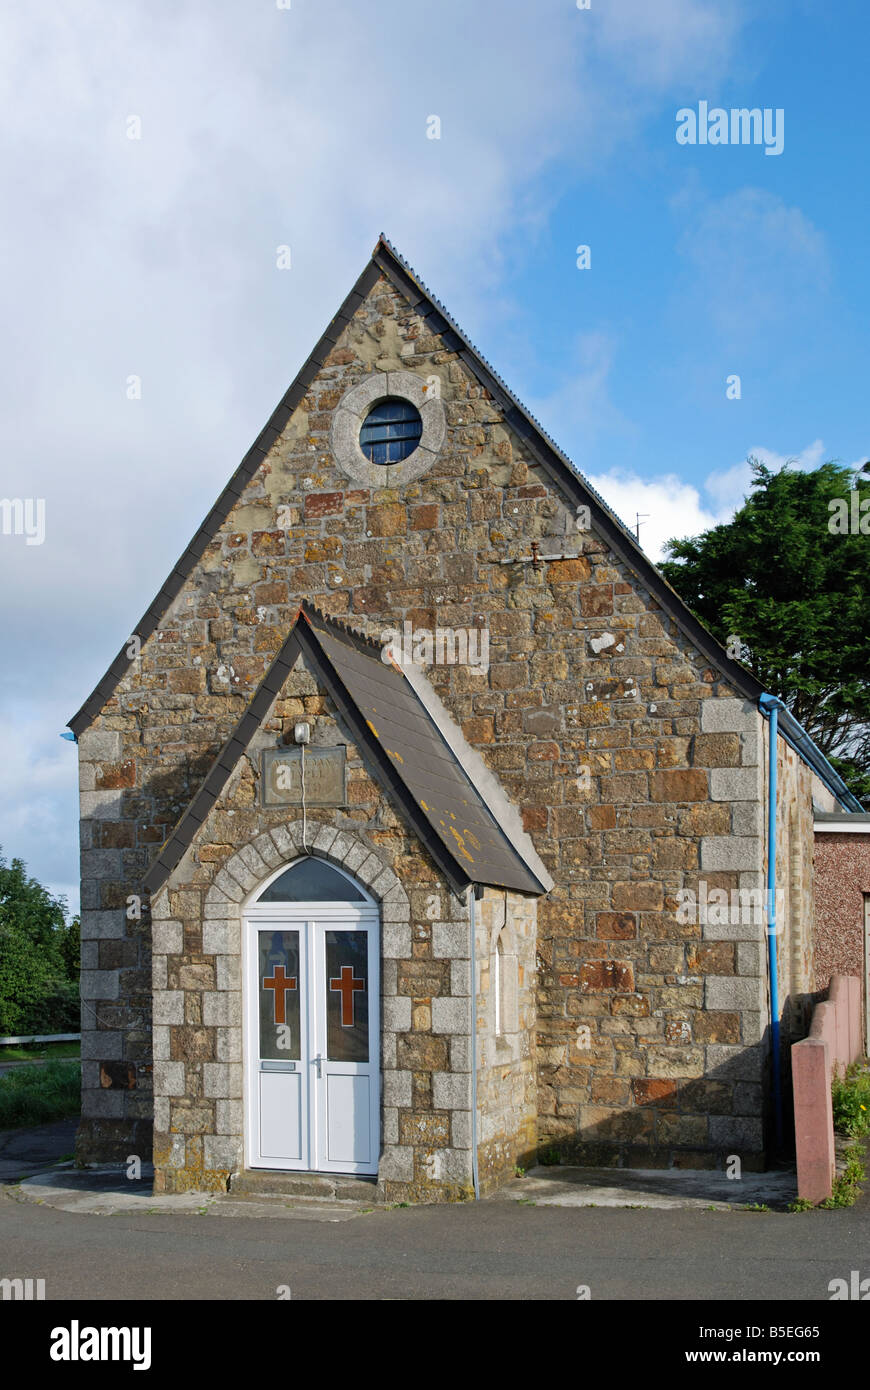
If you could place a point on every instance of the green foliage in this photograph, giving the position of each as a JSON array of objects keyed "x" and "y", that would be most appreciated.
[
  {"x": 851, "y": 1101},
  {"x": 549, "y": 1158},
  {"x": 30, "y": 1052},
  {"x": 797, "y": 597},
  {"x": 39, "y": 1094},
  {"x": 71, "y": 948},
  {"x": 846, "y": 1187},
  {"x": 39, "y": 971},
  {"x": 801, "y": 1204}
]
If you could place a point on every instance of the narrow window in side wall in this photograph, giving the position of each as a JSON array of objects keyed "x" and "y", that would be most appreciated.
[{"x": 498, "y": 986}]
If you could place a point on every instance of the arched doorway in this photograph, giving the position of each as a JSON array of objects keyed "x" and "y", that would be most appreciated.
[{"x": 312, "y": 1022}]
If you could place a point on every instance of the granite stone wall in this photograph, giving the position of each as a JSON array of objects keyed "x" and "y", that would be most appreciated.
[
  {"x": 505, "y": 934},
  {"x": 198, "y": 1004},
  {"x": 634, "y": 763},
  {"x": 795, "y": 881}
]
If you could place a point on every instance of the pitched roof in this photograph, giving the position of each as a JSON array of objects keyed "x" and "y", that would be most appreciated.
[
  {"x": 386, "y": 260},
  {"x": 401, "y": 738},
  {"x": 794, "y": 734}
]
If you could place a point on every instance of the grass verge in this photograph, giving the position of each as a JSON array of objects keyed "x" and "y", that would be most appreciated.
[
  {"x": 29, "y": 1052},
  {"x": 38, "y": 1095}
]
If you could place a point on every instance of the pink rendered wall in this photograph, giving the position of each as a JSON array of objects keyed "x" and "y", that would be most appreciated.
[{"x": 842, "y": 877}]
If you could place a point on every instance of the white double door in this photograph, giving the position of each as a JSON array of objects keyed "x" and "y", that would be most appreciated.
[{"x": 312, "y": 1039}]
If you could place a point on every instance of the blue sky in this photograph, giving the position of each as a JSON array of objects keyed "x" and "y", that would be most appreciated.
[
  {"x": 307, "y": 126},
  {"x": 708, "y": 261}
]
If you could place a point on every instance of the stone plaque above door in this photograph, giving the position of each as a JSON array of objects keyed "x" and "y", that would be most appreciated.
[{"x": 281, "y": 776}]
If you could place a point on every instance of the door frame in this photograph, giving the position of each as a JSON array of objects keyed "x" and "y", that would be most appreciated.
[{"x": 295, "y": 915}]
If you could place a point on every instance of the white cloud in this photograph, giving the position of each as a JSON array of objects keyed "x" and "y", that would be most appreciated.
[
  {"x": 670, "y": 40},
  {"x": 728, "y": 488},
  {"x": 156, "y": 257},
  {"x": 753, "y": 264},
  {"x": 580, "y": 409},
  {"x": 671, "y": 507},
  {"x": 676, "y": 509},
  {"x": 39, "y": 795}
]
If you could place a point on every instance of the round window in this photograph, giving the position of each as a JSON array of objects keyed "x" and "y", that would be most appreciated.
[{"x": 391, "y": 431}]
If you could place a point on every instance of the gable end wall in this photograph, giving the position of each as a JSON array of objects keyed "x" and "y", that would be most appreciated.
[{"x": 633, "y": 762}]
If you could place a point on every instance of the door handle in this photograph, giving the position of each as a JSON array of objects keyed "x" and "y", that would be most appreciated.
[{"x": 317, "y": 1063}]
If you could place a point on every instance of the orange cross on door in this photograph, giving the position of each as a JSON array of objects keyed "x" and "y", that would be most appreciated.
[
  {"x": 280, "y": 983},
  {"x": 346, "y": 986}
]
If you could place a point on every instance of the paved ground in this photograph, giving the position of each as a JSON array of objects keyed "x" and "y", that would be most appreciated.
[
  {"x": 661, "y": 1188},
  {"x": 26, "y": 1151},
  {"x": 36, "y": 1155},
  {"x": 100, "y": 1236},
  {"x": 492, "y": 1250},
  {"x": 108, "y": 1192}
]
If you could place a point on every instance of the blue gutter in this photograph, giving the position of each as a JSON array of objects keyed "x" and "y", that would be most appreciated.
[
  {"x": 770, "y": 706},
  {"x": 783, "y": 722},
  {"x": 796, "y": 735}
]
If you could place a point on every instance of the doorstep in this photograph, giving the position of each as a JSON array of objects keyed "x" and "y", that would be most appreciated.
[
  {"x": 108, "y": 1192},
  {"x": 335, "y": 1187}
]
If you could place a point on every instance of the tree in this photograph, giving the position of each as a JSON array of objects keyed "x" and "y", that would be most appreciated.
[
  {"x": 38, "y": 957},
  {"x": 786, "y": 583}
]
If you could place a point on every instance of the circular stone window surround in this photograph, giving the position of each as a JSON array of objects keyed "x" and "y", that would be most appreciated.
[{"x": 350, "y": 415}]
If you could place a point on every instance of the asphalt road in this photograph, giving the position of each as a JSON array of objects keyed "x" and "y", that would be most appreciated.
[
  {"x": 26, "y": 1151},
  {"x": 493, "y": 1250}
]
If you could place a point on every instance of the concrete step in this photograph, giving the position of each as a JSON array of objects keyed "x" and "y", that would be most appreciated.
[{"x": 263, "y": 1182}]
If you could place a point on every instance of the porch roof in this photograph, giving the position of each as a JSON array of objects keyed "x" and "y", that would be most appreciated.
[{"x": 412, "y": 748}]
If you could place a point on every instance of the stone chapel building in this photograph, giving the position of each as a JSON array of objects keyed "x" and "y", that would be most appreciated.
[{"x": 417, "y": 922}]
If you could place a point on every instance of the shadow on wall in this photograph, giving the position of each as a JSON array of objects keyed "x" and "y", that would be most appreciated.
[{"x": 675, "y": 1122}]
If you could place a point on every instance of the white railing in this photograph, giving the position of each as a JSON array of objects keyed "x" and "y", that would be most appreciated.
[{"x": 41, "y": 1038}]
